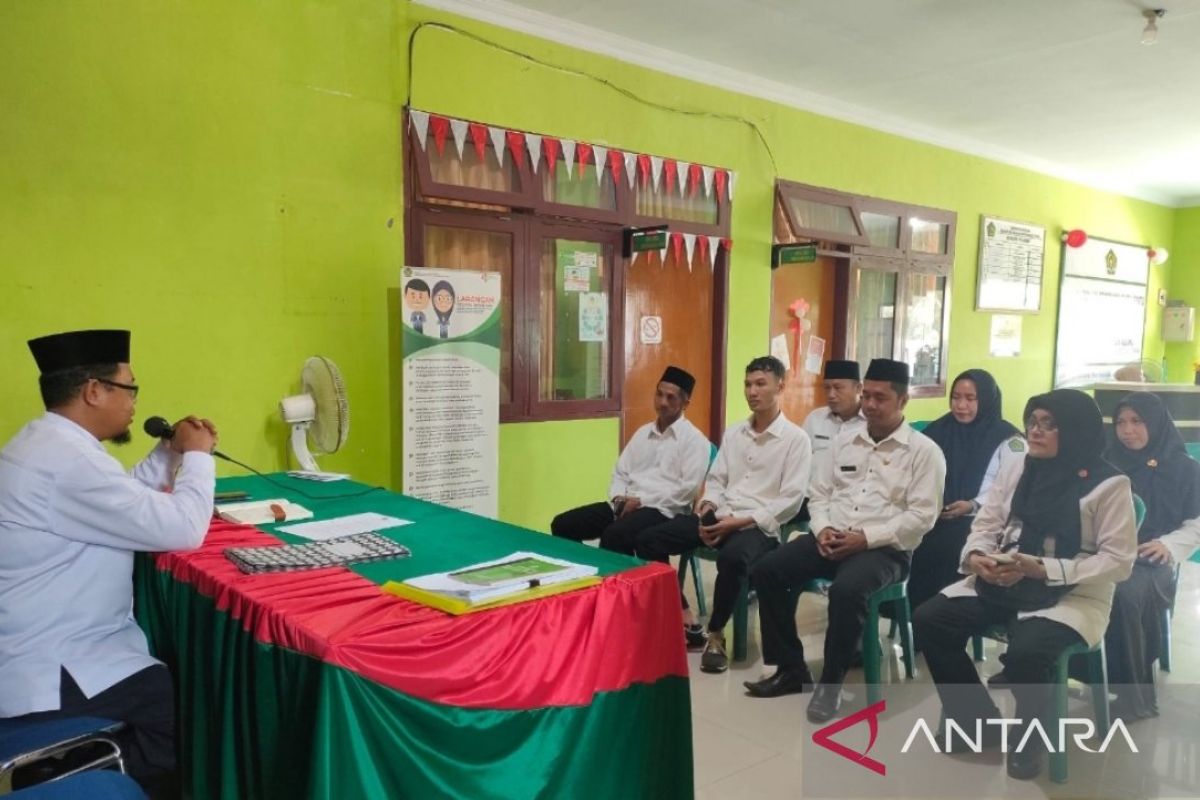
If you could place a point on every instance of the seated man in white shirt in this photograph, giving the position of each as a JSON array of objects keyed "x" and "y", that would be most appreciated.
[
  {"x": 842, "y": 409},
  {"x": 756, "y": 485},
  {"x": 71, "y": 520},
  {"x": 871, "y": 503},
  {"x": 656, "y": 477}
]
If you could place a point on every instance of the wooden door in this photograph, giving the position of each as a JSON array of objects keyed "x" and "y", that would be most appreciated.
[
  {"x": 796, "y": 286},
  {"x": 682, "y": 300}
]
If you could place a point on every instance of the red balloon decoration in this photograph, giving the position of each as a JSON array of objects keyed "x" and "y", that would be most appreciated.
[{"x": 1075, "y": 238}]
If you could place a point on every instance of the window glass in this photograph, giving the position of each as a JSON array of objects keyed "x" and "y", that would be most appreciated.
[
  {"x": 928, "y": 237},
  {"x": 575, "y": 299},
  {"x": 580, "y": 187},
  {"x": 921, "y": 340},
  {"x": 447, "y": 167},
  {"x": 882, "y": 229},
  {"x": 874, "y": 315}
]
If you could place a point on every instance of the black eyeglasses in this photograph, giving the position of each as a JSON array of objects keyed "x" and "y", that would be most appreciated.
[
  {"x": 133, "y": 390},
  {"x": 1043, "y": 425}
]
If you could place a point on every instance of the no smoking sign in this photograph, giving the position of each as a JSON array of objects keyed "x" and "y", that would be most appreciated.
[{"x": 651, "y": 330}]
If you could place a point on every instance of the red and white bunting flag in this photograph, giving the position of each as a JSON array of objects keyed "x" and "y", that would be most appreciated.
[
  {"x": 551, "y": 147},
  {"x": 441, "y": 129},
  {"x": 568, "y": 151},
  {"x": 600, "y": 154},
  {"x": 533, "y": 143},
  {"x": 732, "y": 181},
  {"x": 516, "y": 146},
  {"x": 583, "y": 154},
  {"x": 670, "y": 170},
  {"x": 689, "y": 246},
  {"x": 720, "y": 180},
  {"x": 713, "y": 243},
  {"x": 662, "y": 254},
  {"x": 643, "y": 164},
  {"x": 694, "y": 178},
  {"x": 728, "y": 245},
  {"x": 479, "y": 138},
  {"x": 458, "y": 128},
  {"x": 681, "y": 175},
  {"x": 631, "y": 167},
  {"x": 702, "y": 245},
  {"x": 708, "y": 173},
  {"x": 677, "y": 246},
  {"x": 497, "y": 137},
  {"x": 656, "y": 166},
  {"x": 420, "y": 123},
  {"x": 616, "y": 161}
]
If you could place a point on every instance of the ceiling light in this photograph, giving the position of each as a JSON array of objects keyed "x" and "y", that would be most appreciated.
[{"x": 1150, "y": 32}]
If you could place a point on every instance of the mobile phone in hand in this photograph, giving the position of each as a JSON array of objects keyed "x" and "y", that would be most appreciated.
[
  {"x": 708, "y": 518},
  {"x": 1001, "y": 558}
]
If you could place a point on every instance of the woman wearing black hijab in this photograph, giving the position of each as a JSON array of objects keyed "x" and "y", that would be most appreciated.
[
  {"x": 1053, "y": 538},
  {"x": 976, "y": 442},
  {"x": 1149, "y": 449}
]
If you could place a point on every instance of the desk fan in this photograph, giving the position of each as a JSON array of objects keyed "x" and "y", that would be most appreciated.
[{"x": 320, "y": 413}]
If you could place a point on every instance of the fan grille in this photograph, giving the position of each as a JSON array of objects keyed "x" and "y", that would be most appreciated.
[{"x": 323, "y": 380}]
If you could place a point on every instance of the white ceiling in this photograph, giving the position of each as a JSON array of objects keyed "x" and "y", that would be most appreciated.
[{"x": 1060, "y": 86}]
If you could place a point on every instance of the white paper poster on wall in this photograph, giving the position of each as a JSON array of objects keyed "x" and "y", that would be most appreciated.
[
  {"x": 451, "y": 390},
  {"x": 1006, "y": 336}
]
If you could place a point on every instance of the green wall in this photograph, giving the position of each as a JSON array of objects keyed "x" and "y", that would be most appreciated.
[
  {"x": 225, "y": 178},
  {"x": 1185, "y": 286}
]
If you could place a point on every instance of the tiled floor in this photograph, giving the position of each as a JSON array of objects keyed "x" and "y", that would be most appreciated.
[{"x": 754, "y": 748}]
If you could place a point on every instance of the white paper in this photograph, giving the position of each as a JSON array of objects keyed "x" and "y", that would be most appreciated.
[
  {"x": 321, "y": 530},
  {"x": 318, "y": 475},
  {"x": 1006, "y": 336},
  {"x": 779, "y": 349},
  {"x": 593, "y": 317}
]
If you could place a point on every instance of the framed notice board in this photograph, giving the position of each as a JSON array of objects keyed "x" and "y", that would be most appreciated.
[
  {"x": 1101, "y": 311},
  {"x": 1011, "y": 256}
]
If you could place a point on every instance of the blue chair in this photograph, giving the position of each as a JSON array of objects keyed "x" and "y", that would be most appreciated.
[
  {"x": 94, "y": 785},
  {"x": 1164, "y": 657},
  {"x": 1139, "y": 516},
  {"x": 24, "y": 742},
  {"x": 1097, "y": 679}
]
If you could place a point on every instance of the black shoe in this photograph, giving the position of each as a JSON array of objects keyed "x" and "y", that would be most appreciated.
[
  {"x": 786, "y": 680},
  {"x": 714, "y": 658},
  {"x": 826, "y": 701},
  {"x": 1026, "y": 765},
  {"x": 695, "y": 636},
  {"x": 989, "y": 736},
  {"x": 998, "y": 681}
]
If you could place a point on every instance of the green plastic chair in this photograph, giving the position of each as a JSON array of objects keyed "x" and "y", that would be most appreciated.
[
  {"x": 741, "y": 609},
  {"x": 1139, "y": 516},
  {"x": 896, "y": 593}
]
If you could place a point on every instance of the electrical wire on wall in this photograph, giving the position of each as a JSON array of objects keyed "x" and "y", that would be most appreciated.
[{"x": 621, "y": 90}]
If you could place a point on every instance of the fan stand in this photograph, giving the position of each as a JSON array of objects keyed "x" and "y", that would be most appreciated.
[{"x": 300, "y": 446}]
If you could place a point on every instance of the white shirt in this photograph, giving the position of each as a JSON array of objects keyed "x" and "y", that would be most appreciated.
[
  {"x": 1011, "y": 449},
  {"x": 761, "y": 475},
  {"x": 890, "y": 490},
  {"x": 662, "y": 469},
  {"x": 823, "y": 426},
  {"x": 70, "y": 521},
  {"x": 1108, "y": 548},
  {"x": 1183, "y": 541}
]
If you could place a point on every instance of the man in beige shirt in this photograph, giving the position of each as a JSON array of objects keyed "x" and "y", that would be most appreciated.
[{"x": 871, "y": 502}]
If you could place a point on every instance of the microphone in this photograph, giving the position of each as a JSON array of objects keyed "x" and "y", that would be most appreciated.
[{"x": 159, "y": 428}]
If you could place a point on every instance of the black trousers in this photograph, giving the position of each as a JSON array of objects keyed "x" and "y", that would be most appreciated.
[
  {"x": 735, "y": 555},
  {"x": 597, "y": 521},
  {"x": 778, "y": 579},
  {"x": 145, "y": 702},
  {"x": 943, "y": 625},
  {"x": 1133, "y": 641},
  {"x": 936, "y": 560}
]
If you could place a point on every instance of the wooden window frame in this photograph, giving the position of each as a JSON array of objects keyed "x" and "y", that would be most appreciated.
[
  {"x": 526, "y": 214},
  {"x": 861, "y": 254}
]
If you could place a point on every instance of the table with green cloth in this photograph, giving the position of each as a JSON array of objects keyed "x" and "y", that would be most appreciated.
[{"x": 319, "y": 684}]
